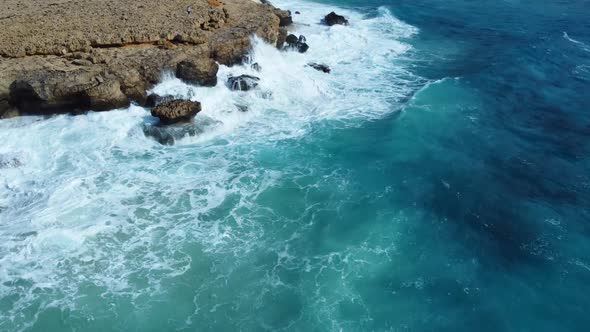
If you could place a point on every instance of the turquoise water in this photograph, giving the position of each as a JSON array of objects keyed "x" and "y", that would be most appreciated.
[{"x": 437, "y": 180}]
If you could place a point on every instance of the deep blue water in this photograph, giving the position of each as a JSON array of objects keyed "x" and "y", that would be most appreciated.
[{"x": 445, "y": 187}]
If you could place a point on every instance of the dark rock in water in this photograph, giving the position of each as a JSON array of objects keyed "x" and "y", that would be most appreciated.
[
  {"x": 291, "y": 39},
  {"x": 285, "y": 18},
  {"x": 319, "y": 66},
  {"x": 168, "y": 135},
  {"x": 255, "y": 66},
  {"x": 333, "y": 19},
  {"x": 202, "y": 72},
  {"x": 154, "y": 100},
  {"x": 297, "y": 43},
  {"x": 242, "y": 82},
  {"x": 176, "y": 111},
  {"x": 281, "y": 38}
]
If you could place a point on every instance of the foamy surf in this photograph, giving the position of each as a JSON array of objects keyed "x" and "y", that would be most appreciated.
[{"x": 95, "y": 208}]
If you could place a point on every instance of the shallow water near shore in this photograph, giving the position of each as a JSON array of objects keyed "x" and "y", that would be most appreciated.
[{"x": 437, "y": 180}]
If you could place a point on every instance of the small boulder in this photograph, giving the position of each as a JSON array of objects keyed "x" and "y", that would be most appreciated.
[
  {"x": 285, "y": 18},
  {"x": 255, "y": 66},
  {"x": 333, "y": 19},
  {"x": 202, "y": 72},
  {"x": 297, "y": 43},
  {"x": 168, "y": 135},
  {"x": 176, "y": 111},
  {"x": 242, "y": 82},
  {"x": 320, "y": 67}
]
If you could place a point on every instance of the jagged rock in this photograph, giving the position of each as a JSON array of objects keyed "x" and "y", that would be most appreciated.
[
  {"x": 333, "y": 19},
  {"x": 297, "y": 43},
  {"x": 255, "y": 66},
  {"x": 202, "y": 72},
  {"x": 282, "y": 37},
  {"x": 168, "y": 135},
  {"x": 242, "y": 82},
  {"x": 176, "y": 111},
  {"x": 285, "y": 18},
  {"x": 320, "y": 67}
]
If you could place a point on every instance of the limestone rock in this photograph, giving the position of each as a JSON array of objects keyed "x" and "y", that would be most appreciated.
[
  {"x": 201, "y": 72},
  {"x": 176, "y": 111}
]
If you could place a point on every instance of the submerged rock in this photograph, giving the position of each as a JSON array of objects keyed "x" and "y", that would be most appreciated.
[
  {"x": 242, "y": 82},
  {"x": 333, "y": 19},
  {"x": 168, "y": 135},
  {"x": 176, "y": 111},
  {"x": 201, "y": 72},
  {"x": 320, "y": 67},
  {"x": 297, "y": 43}
]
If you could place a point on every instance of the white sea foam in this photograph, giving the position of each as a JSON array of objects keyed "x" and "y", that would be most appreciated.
[{"x": 91, "y": 200}]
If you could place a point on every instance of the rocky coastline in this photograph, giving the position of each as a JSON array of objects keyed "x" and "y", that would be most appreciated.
[{"x": 70, "y": 56}]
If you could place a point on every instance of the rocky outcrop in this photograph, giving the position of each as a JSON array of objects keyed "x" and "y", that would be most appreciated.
[
  {"x": 320, "y": 67},
  {"x": 297, "y": 43},
  {"x": 198, "y": 71},
  {"x": 242, "y": 82},
  {"x": 64, "y": 56},
  {"x": 334, "y": 19},
  {"x": 176, "y": 111}
]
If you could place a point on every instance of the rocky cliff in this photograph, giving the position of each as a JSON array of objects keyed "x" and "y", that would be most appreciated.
[{"x": 75, "y": 55}]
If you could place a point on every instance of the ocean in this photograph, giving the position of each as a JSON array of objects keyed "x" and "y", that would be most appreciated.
[{"x": 437, "y": 180}]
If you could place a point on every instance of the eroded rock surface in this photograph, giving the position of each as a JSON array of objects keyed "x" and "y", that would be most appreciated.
[
  {"x": 176, "y": 111},
  {"x": 68, "y": 55}
]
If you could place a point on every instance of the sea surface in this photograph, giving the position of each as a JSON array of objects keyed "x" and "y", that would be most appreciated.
[{"x": 437, "y": 180}]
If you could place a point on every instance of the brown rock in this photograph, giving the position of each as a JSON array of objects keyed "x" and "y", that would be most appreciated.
[
  {"x": 176, "y": 111},
  {"x": 200, "y": 71},
  {"x": 61, "y": 56}
]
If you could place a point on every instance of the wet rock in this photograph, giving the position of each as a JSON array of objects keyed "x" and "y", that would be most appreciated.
[
  {"x": 282, "y": 36},
  {"x": 320, "y": 67},
  {"x": 285, "y": 18},
  {"x": 176, "y": 111},
  {"x": 297, "y": 43},
  {"x": 242, "y": 82},
  {"x": 333, "y": 19},
  {"x": 255, "y": 66},
  {"x": 201, "y": 72},
  {"x": 168, "y": 135}
]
